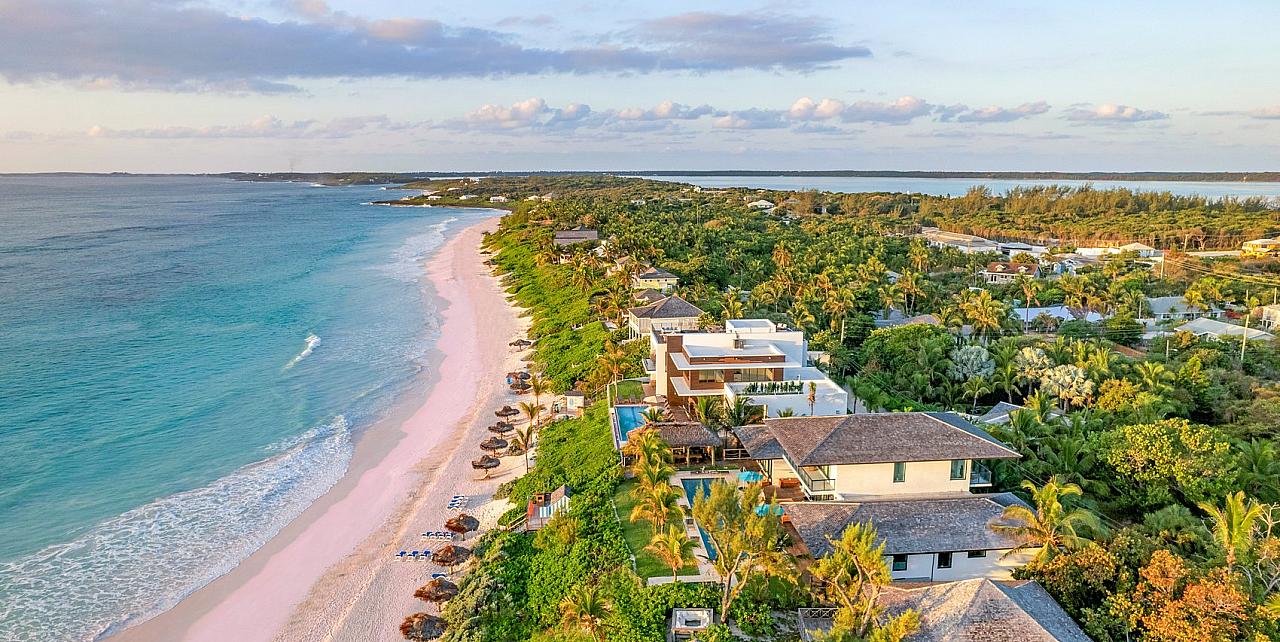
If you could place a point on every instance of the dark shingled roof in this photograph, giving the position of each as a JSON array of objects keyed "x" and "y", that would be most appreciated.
[
  {"x": 687, "y": 434},
  {"x": 878, "y": 438},
  {"x": 650, "y": 295},
  {"x": 980, "y": 609},
  {"x": 759, "y": 442},
  {"x": 671, "y": 307},
  {"x": 928, "y": 525},
  {"x": 656, "y": 273}
]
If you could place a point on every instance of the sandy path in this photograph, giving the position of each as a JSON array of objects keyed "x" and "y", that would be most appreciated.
[{"x": 332, "y": 574}]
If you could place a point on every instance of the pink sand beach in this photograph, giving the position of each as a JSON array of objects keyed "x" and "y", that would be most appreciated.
[{"x": 333, "y": 574}]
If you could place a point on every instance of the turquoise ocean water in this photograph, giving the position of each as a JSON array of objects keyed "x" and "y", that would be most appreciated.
[{"x": 183, "y": 365}]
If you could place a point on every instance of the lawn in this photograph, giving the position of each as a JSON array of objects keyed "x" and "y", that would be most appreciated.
[
  {"x": 630, "y": 390},
  {"x": 638, "y": 535}
]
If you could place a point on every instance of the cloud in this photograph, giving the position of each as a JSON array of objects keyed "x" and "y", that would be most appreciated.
[
  {"x": 900, "y": 111},
  {"x": 264, "y": 127},
  {"x": 1109, "y": 114},
  {"x": 806, "y": 109},
  {"x": 991, "y": 114},
  {"x": 1261, "y": 113},
  {"x": 750, "y": 119},
  {"x": 172, "y": 46},
  {"x": 666, "y": 110},
  {"x": 711, "y": 41}
]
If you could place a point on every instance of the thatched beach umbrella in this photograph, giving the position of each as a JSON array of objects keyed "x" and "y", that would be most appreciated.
[
  {"x": 486, "y": 463},
  {"x": 421, "y": 627},
  {"x": 506, "y": 411},
  {"x": 523, "y": 376},
  {"x": 493, "y": 443},
  {"x": 520, "y": 386},
  {"x": 501, "y": 427},
  {"x": 437, "y": 591},
  {"x": 462, "y": 524},
  {"x": 451, "y": 556}
]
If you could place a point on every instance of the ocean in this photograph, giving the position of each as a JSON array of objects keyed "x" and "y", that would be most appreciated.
[
  {"x": 958, "y": 186},
  {"x": 184, "y": 364}
]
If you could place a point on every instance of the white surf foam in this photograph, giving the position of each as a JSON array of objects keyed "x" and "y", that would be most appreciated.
[
  {"x": 143, "y": 562},
  {"x": 311, "y": 343}
]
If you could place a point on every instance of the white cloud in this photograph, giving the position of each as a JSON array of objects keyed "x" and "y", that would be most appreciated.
[
  {"x": 902, "y": 110},
  {"x": 806, "y": 109},
  {"x": 1112, "y": 114}
]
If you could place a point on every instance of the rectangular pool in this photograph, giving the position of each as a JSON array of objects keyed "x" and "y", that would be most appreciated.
[
  {"x": 691, "y": 487},
  {"x": 629, "y": 418}
]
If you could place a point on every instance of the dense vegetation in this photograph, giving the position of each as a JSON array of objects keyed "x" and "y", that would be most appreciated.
[{"x": 1155, "y": 471}]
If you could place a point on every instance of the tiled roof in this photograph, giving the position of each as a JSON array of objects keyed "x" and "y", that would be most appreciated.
[
  {"x": 931, "y": 525},
  {"x": 759, "y": 442},
  {"x": 672, "y": 307},
  {"x": 871, "y": 438},
  {"x": 650, "y": 295},
  {"x": 980, "y": 609},
  {"x": 655, "y": 273}
]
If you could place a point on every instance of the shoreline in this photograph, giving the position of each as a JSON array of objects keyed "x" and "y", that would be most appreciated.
[{"x": 343, "y": 541}]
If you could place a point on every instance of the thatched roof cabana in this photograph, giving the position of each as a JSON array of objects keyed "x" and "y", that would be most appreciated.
[
  {"x": 437, "y": 591},
  {"x": 486, "y": 463},
  {"x": 501, "y": 427},
  {"x": 421, "y": 627},
  {"x": 462, "y": 524},
  {"x": 451, "y": 555},
  {"x": 506, "y": 411},
  {"x": 494, "y": 443}
]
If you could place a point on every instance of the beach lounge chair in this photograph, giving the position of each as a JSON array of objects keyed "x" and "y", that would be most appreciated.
[
  {"x": 413, "y": 555},
  {"x": 402, "y": 554},
  {"x": 436, "y": 575}
]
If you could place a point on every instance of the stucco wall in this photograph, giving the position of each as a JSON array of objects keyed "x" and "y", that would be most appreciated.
[{"x": 877, "y": 479}]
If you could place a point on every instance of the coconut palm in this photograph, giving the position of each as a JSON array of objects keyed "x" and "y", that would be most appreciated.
[
  {"x": 1153, "y": 377},
  {"x": 1051, "y": 527},
  {"x": 1259, "y": 469},
  {"x": 673, "y": 547},
  {"x": 657, "y": 505},
  {"x": 585, "y": 608},
  {"x": 812, "y": 397},
  {"x": 532, "y": 413},
  {"x": 741, "y": 413},
  {"x": 652, "y": 416},
  {"x": 706, "y": 410},
  {"x": 538, "y": 386},
  {"x": 976, "y": 387},
  {"x": 1030, "y": 288},
  {"x": 524, "y": 439},
  {"x": 1233, "y": 525}
]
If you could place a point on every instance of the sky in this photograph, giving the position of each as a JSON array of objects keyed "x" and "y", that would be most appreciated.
[{"x": 381, "y": 85}]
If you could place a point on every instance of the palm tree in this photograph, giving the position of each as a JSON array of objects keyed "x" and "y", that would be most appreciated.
[
  {"x": 1259, "y": 469},
  {"x": 1051, "y": 526},
  {"x": 1153, "y": 377},
  {"x": 538, "y": 386},
  {"x": 1030, "y": 288},
  {"x": 658, "y": 505},
  {"x": 706, "y": 410},
  {"x": 1005, "y": 378},
  {"x": 1233, "y": 524},
  {"x": 532, "y": 412},
  {"x": 585, "y": 608},
  {"x": 741, "y": 413},
  {"x": 975, "y": 387},
  {"x": 653, "y": 415},
  {"x": 524, "y": 439},
  {"x": 673, "y": 547},
  {"x": 812, "y": 398}
]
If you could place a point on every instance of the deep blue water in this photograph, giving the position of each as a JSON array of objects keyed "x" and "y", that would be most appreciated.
[
  {"x": 629, "y": 418},
  {"x": 183, "y": 362},
  {"x": 691, "y": 487}
]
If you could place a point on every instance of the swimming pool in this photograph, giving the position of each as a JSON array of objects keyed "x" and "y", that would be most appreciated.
[
  {"x": 691, "y": 487},
  {"x": 629, "y": 418}
]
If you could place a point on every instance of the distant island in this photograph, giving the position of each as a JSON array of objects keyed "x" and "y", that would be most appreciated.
[{"x": 390, "y": 178}]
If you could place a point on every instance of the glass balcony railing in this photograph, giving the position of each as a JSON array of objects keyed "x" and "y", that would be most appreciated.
[{"x": 979, "y": 476}]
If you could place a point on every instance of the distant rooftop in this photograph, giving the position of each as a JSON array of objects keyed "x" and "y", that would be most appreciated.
[
  {"x": 672, "y": 307},
  {"x": 980, "y": 609}
]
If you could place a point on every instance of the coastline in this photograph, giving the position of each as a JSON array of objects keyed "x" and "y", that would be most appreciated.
[{"x": 306, "y": 582}]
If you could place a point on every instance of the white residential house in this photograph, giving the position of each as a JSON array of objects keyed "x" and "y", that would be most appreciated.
[
  {"x": 1143, "y": 250},
  {"x": 1260, "y": 248},
  {"x": 1223, "y": 331},
  {"x": 910, "y": 474},
  {"x": 655, "y": 278},
  {"x": 497, "y": 199},
  {"x": 467, "y": 197},
  {"x": 967, "y": 243},
  {"x": 688, "y": 364},
  {"x": 1059, "y": 312},
  {"x": 998, "y": 273},
  {"x": 434, "y": 197},
  {"x": 761, "y": 205},
  {"x": 1175, "y": 308},
  {"x": 1271, "y": 316},
  {"x": 1011, "y": 250}
]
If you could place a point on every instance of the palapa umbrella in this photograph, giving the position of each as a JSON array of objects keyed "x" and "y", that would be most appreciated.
[
  {"x": 493, "y": 443},
  {"x": 462, "y": 524},
  {"x": 421, "y": 627},
  {"x": 523, "y": 376},
  {"x": 451, "y": 556},
  {"x": 521, "y": 386},
  {"x": 506, "y": 411},
  {"x": 437, "y": 591},
  {"x": 486, "y": 463},
  {"x": 656, "y": 399},
  {"x": 501, "y": 427}
]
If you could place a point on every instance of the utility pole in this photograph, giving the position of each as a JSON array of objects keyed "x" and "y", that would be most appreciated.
[{"x": 1244, "y": 336}]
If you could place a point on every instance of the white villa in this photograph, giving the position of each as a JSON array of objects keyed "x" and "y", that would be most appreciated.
[
  {"x": 1176, "y": 308},
  {"x": 910, "y": 474},
  {"x": 1221, "y": 330},
  {"x": 761, "y": 205},
  {"x": 999, "y": 272},
  {"x": 967, "y": 243},
  {"x": 751, "y": 358}
]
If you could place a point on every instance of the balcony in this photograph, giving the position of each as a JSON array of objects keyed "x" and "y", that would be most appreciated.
[
  {"x": 815, "y": 480},
  {"x": 979, "y": 476}
]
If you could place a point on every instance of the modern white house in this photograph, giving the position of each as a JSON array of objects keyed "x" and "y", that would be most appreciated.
[
  {"x": 1059, "y": 312},
  {"x": 686, "y": 364},
  {"x": 1221, "y": 330},
  {"x": 670, "y": 314},
  {"x": 967, "y": 243},
  {"x": 655, "y": 278},
  {"x": 1176, "y": 308},
  {"x": 1142, "y": 249},
  {"x": 1271, "y": 316},
  {"x": 498, "y": 199},
  {"x": 909, "y": 474},
  {"x": 1011, "y": 250},
  {"x": 761, "y": 205}
]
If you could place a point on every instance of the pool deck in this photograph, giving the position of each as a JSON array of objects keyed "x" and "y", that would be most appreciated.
[{"x": 706, "y": 571}]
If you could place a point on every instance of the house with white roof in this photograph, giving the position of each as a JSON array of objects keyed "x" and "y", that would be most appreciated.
[
  {"x": 761, "y": 204},
  {"x": 999, "y": 273},
  {"x": 1221, "y": 330},
  {"x": 1059, "y": 312},
  {"x": 1014, "y": 248},
  {"x": 1175, "y": 308},
  {"x": 1260, "y": 248},
  {"x": 909, "y": 474},
  {"x": 688, "y": 364},
  {"x": 967, "y": 243}
]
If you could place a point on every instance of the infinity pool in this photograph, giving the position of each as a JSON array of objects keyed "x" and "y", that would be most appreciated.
[
  {"x": 629, "y": 418},
  {"x": 691, "y": 487}
]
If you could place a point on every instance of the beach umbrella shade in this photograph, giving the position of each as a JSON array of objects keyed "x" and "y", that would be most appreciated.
[
  {"x": 656, "y": 399},
  {"x": 486, "y": 463},
  {"x": 462, "y": 524},
  {"x": 501, "y": 427},
  {"x": 506, "y": 411},
  {"x": 520, "y": 385},
  {"x": 421, "y": 627},
  {"x": 451, "y": 556},
  {"x": 437, "y": 591},
  {"x": 524, "y": 376},
  {"x": 493, "y": 443}
]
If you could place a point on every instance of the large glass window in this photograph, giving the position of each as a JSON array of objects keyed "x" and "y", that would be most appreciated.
[
  {"x": 899, "y": 472},
  {"x": 957, "y": 468},
  {"x": 976, "y": 554},
  {"x": 944, "y": 560},
  {"x": 711, "y": 376}
]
